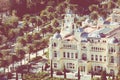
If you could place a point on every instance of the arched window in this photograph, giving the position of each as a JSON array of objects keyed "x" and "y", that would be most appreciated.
[
  {"x": 96, "y": 57},
  {"x": 54, "y": 44},
  {"x": 64, "y": 54},
  {"x": 112, "y": 59},
  {"x": 76, "y": 55},
  {"x": 55, "y": 54},
  {"x": 68, "y": 55},
  {"x": 84, "y": 56},
  {"x": 100, "y": 58},
  {"x": 92, "y": 57},
  {"x": 111, "y": 71}
]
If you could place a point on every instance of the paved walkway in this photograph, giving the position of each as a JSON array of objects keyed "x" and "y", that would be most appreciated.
[{"x": 25, "y": 60}]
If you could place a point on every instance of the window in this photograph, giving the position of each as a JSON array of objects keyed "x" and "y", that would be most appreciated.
[
  {"x": 112, "y": 59},
  {"x": 55, "y": 54},
  {"x": 76, "y": 55},
  {"x": 111, "y": 71},
  {"x": 72, "y": 56},
  {"x": 84, "y": 56},
  {"x": 104, "y": 58},
  {"x": 54, "y": 44},
  {"x": 64, "y": 54},
  {"x": 73, "y": 26},
  {"x": 92, "y": 57},
  {"x": 100, "y": 58},
  {"x": 82, "y": 68},
  {"x": 68, "y": 55},
  {"x": 96, "y": 57},
  {"x": 70, "y": 65},
  {"x": 55, "y": 65}
]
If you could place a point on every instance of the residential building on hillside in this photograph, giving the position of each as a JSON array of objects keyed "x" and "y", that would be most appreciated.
[{"x": 87, "y": 47}]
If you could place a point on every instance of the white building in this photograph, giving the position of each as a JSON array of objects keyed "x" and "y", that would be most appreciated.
[{"x": 86, "y": 48}]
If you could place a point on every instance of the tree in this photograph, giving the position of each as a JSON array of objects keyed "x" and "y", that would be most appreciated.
[
  {"x": 26, "y": 17},
  {"x": 50, "y": 9},
  {"x": 29, "y": 38},
  {"x": 94, "y": 15},
  {"x": 11, "y": 35},
  {"x": 36, "y": 46},
  {"x": 51, "y": 69},
  {"x": 111, "y": 5},
  {"x": 4, "y": 64},
  {"x": 64, "y": 71},
  {"x": 21, "y": 40},
  {"x": 43, "y": 31},
  {"x": 39, "y": 23},
  {"x": 118, "y": 74},
  {"x": 55, "y": 23},
  {"x": 92, "y": 73},
  {"x": 33, "y": 21},
  {"x": 49, "y": 29},
  {"x": 21, "y": 54},
  {"x": 50, "y": 16},
  {"x": 44, "y": 18},
  {"x": 14, "y": 59},
  {"x": 36, "y": 36},
  {"x": 93, "y": 7},
  {"x": 30, "y": 47},
  {"x": 103, "y": 75},
  {"x": 78, "y": 73}
]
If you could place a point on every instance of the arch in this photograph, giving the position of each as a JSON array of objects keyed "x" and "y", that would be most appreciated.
[
  {"x": 111, "y": 71},
  {"x": 84, "y": 56}
]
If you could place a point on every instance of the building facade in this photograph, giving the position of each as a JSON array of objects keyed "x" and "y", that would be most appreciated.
[{"x": 87, "y": 47}]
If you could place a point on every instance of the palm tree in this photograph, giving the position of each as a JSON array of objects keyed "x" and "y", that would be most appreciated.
[
  {"x": 39, "y": 23},
  {"x": 92, "y": 73},
  {"x": 4, "y": 64},
  {"x": 51, "y": 69},
  {"x": 44, "y": 44},
  {"x": 64, "y": 71},
  {"x": 103, "y": 75},
  {"x": 29, "y": 38},
  {"x": 55, "y": 23},
  {"x": 21, "y": 54},
  {"x": 36, "y": 36},
  {"x": 14, "y": 59},
  {"x": 78, "y": 73},
  {"x": 30, "y": 47},
  {"x": 26, "y": 17},
  {"x": 94, "y": 15},
  {"x": 33, "y": 21},
  {"x": 49, "y": 29},
  {"x": 43, "y": 31},
  {"x": 36, "y": 46}
]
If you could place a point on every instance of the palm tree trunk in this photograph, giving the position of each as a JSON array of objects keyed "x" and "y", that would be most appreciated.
[
  {"x": 29, "y": 57},
  {"x": 36, "y": 54},
  {"x": 21, "y": 63},
  {"x": 43, "y": 51},
  {"x": 4, "y": 70},
  {"x": 13, "y": 64},
  {"x": 16, "y": 75},
  {"x": 51, "y": 69},
  {"x": 8, "y": 69}
]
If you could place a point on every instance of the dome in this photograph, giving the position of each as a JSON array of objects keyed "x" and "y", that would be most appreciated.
[
  {"x": 57, "y": 35},
  {"x": 84, "y": 35},
  {"x": 113, "y": 40}
]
